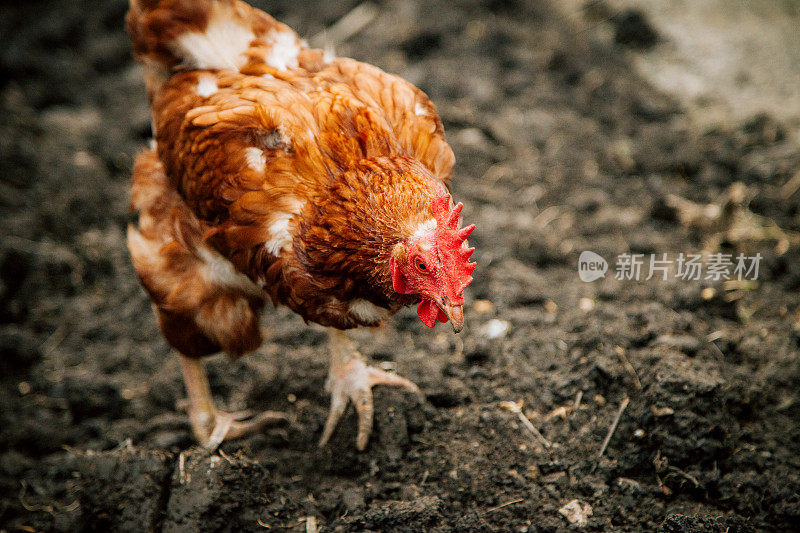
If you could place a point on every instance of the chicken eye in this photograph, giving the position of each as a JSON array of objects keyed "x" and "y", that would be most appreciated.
[{"x": 421, "y": 266}]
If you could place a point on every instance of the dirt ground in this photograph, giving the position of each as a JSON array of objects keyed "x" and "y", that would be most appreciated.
[{"x": 562, "y": 147}]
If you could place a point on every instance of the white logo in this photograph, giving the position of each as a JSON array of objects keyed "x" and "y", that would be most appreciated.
[
  {"x": 591, "y": 266},
  {"x": 718, "y": 267}
]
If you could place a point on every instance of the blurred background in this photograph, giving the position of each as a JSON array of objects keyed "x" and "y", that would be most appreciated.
[{"x": 616, "y": 126}]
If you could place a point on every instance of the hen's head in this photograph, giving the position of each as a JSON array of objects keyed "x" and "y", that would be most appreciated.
[{"x": 433, "y": 264}]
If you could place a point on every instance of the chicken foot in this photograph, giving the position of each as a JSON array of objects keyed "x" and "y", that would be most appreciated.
[
  {"x": 350, "y": 378},
  {"x": 209, "y": 425}
]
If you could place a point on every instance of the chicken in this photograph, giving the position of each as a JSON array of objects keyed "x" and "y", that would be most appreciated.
[{"x": 280, "y": 173}]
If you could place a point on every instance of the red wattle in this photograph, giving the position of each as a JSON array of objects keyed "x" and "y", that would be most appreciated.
[{"x": 428, "y": 312}]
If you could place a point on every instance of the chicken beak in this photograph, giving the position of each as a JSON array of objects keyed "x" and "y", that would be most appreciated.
[{"x": 455, "y": 313}]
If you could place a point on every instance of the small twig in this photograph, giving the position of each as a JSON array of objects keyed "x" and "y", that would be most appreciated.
[
  {"x": 613, "y": 427},
  {"x": 558, "y": 412},
  {"x": 347, "y": 26},
  {"x": 676, "y": 471},
  {"x": 620, "y": 351},
  {"x": 532, "y": 428},
  {"x": 577, "y": 404},
  {"x": 182, "y": 478},
  {"x": 512, "y": 502},
  {"x": 225, "y": 456},
  {"x": 72, "y": 451},
  {"x": 516, "y": 407},
  {"x": 311, "y": 524}
]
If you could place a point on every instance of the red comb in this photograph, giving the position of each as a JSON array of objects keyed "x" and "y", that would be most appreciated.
[{"x": 450, "y": 240}]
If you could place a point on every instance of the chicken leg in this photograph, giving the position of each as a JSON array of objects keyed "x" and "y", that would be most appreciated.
[
  {"x": 350, "y": 378},
  {"x": 209, "y": 425}
]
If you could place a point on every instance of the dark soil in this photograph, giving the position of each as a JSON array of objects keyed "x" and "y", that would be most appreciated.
[{"x": 561, "y": 148}]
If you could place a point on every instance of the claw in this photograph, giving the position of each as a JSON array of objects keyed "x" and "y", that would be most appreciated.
[
  {"x": 366, "y": 412},
  {"x": 222, "y": 424},
  {"x": 338, "y": 405},
  {"x": 210, "y": 426},
  {"x": 354, "y": 381},
  {"x": 228, "y": 426}
]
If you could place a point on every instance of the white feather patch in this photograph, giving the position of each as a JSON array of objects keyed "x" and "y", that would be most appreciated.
[
  {"x": 367, "y": 311},
  {"x": 221, "y": 45},
  {"x": 255, "y": 158},
  {"x": 280, "y": 237},
  {"x": 284, "y": 51},
  {"x": 206, "y": 86},
  {"x": 221, "y": 272},
  {"x": 328, "y": 53},
  {"x": 420, "y": 110},
  {"x": 142, "y": 248},
  {"x": 424, "y": 228}
]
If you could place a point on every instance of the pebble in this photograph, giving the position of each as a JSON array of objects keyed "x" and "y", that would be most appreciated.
[
  {"x": 483, "y": 306},
  {"x": 662, "y": 411},
  {"x": 577, "y": 513},
  {"x": 496, "y": 328},
  {"x": 599, "y": 400}
]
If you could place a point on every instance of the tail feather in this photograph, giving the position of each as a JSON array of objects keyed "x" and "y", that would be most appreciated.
[{"x": 208, "y": 34}]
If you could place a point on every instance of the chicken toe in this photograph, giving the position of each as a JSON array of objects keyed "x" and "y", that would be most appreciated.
[
  {"x": 210, "y": 426},
  {"x": 226, "y": 427},
  {"x": 351, "y": 379}
]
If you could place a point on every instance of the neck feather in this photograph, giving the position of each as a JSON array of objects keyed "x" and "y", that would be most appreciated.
[{"x": 357, "y": 222}]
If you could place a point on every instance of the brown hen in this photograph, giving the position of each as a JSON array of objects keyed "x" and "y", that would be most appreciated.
[{"x": 280, "y": 173}]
